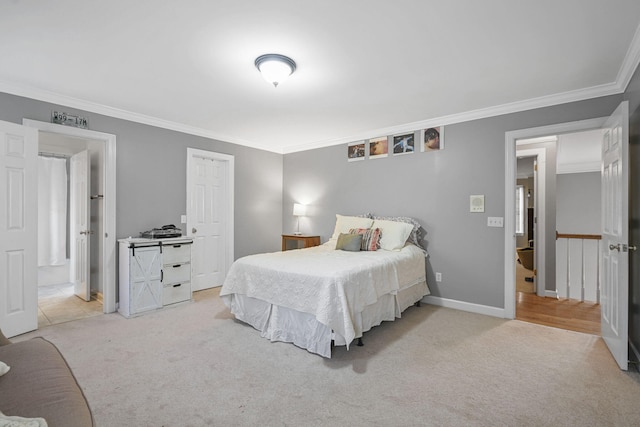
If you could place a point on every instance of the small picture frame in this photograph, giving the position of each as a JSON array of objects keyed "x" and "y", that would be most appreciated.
[
  {"x": 403, "y": 144},
  {"x": 432, "y": 139},
  {"x": 355, "y": 151},
  {"x": 378, "y": 147}
]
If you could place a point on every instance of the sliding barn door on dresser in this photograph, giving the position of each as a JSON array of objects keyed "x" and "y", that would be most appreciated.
[{"x": 153, "y": 273}]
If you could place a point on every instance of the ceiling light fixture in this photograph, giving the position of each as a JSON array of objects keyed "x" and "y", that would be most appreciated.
[{"x": 275, "y": 68}]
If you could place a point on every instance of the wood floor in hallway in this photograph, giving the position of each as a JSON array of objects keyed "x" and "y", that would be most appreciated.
[{"x": 572, "y": 315}]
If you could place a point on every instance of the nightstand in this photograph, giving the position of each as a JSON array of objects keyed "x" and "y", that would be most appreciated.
[{"x": 307, "y": 241}]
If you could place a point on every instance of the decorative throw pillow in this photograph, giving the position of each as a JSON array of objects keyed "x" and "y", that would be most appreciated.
[
  {"x": 4, "y": 368},
  {"x": 394, "y": 234},
  {"x": 345, "y": 223},
  {"x": 370, "y": 238},
  {"x": 349, "y": 242}
]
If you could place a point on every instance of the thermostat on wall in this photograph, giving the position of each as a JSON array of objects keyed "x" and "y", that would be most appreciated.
[{"x": 476, "y": 203}]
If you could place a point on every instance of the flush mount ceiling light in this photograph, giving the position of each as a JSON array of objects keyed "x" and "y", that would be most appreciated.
[{"x": 275, "y": 68}]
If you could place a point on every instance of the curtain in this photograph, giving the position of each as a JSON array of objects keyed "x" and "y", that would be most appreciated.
[{"x": 52, "y": 211}]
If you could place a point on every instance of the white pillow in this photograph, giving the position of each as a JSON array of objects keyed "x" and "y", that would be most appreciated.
[
  {"x": 346, "y": 223},
  {"x": 4, "y": 368},
  {"x": 393, "y": 234}
]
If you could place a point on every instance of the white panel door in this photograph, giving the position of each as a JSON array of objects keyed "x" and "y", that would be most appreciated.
[
  {"x": 18, "y": 229},
  {"x": 615, "y": 234},
  {"x": 80, "y": 221},
  {"x": 207, "y": 198}
]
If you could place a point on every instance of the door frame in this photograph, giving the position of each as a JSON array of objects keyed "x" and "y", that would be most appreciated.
[
  {"x": 539, "y": 208},
  {"x": 229, "y": 202},
  {"x": 509, "y": 196},
  {"x": 109, "y": 202}
]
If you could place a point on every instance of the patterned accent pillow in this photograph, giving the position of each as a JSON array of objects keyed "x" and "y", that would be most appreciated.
[
  {"x": 417, "y": 234},
  {"x": 370, "y": 238}
]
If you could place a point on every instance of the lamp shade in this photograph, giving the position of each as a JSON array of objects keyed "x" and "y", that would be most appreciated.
[
  {"x": 299, "y": 210},
  {"x": 275, "y": 68}
]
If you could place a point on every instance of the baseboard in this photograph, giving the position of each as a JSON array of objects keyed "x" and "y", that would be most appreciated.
[
  {"x": 551, "y": 294},
  {"x": 464, "y": 306}
]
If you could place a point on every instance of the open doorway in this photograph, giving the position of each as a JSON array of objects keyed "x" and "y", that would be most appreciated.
[
  {"x": 570, "y": 210},
  {"x": 100, "y": 201},
  {"x": 525, "y": 224},
  {"x": 60, "y": 258},
  {"x": 545, "y": 264}
]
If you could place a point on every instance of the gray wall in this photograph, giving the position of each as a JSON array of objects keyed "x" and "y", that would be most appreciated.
[
  {"x": 151, "y": 176},
  {"x": 434, "y": 188},
  {"x": 632, "y": 94},
  {"x": 578, "y": 203}
]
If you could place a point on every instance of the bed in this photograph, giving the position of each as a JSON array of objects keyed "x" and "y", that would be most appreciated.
[{"x": 327, "y": 294}]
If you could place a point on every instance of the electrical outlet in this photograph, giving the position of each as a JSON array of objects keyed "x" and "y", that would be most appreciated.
[
  {"x": 495, "y": 221},
  {"x": 183, "y": 219},
  {"x": 438, "y": 277}
]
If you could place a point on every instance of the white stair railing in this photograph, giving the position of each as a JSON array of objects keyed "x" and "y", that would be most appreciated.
[{"x": 587, "y": 260}]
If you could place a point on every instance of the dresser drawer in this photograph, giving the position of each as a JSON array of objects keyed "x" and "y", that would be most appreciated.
[
  {"x": 176, "y": 253},
  {"x": 177, "y": 292},
  {"x": 176, "y": 273}
]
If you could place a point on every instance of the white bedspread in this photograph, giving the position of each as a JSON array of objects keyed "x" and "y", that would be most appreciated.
[{"x": 327, "y": 283}]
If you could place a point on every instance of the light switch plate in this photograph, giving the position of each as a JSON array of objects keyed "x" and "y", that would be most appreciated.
[
  {"x": 476, "y": 203},
  {"x": 495, "y": 221}
]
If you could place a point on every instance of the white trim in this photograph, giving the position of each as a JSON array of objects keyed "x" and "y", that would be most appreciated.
[
  {"x": 578, "y": 167},
  {"x": 509, "y": 197},
  {"x": 551, "y": 294},
  {"x": 483, "y": 113},
  {"x": 464, "y": 306},
  {"x": 68, "y": 101},
  {"x": 229, "y": 225},
  {"x": 109, "y": 238},
  {"x": 538, "y": 140},
  {"x": 513, "y": 107},
  {"x": 630, "y": 62}
]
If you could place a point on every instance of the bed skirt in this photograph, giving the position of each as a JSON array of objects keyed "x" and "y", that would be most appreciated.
[{"x": 283, "y": 324}]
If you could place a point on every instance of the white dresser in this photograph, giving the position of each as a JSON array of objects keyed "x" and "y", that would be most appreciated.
[{"x": 153, "y": 273}]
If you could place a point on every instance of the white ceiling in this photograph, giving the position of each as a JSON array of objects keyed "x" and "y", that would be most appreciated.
[{"x": 366, "y": 68}]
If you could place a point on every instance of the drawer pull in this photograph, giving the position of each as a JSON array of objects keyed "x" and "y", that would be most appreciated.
[
  {"x": 177, "y": 246},
  {"x": 176, "y": 265},
  {"x": 179, "y": 284}
]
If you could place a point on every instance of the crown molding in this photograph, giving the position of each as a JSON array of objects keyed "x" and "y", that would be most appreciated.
[
  {"x": 71, "y": 102},
  {"x": 583, "y": 167},
  {"x": 483, "y": 113},
  {"x": 630, "y": 63}
]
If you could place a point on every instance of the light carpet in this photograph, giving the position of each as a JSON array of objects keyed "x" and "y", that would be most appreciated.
[{"x": 194, "y": 365}]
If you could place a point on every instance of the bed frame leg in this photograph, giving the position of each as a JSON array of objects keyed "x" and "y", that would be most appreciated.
[
  {"x": 418, "y": 303},
  {"x": 360, "y": 343}
]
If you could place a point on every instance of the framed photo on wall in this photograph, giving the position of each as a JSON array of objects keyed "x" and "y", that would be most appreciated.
[
  {"x": 403, "y": 144},
  {"x": 355, "y": 151},
  {"x": 378, "y": 147},
  {"x": 432, "y": 139}
]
